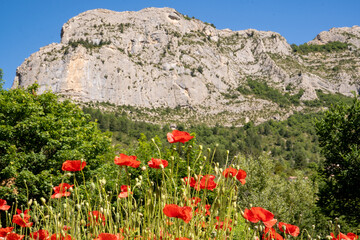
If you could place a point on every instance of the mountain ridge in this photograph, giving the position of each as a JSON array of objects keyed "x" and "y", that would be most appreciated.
[{"x": 157, "y": 58}]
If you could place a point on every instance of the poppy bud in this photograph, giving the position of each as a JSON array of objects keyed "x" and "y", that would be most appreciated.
[
  {"x": 92, "y": 184},
  {"x": 103, "y": 181},
  {"x": 200, "y": 147},
  {"x": 43, "y": 200},
  {"x": 227, "y": 152},
  {"x": 30, "y": 202},
  {"x": 204, "y": 158},
  {"x": 143, "y": 168},
  {"x": 161, "y": 166},
  {"x": 201, "y": 167},
  {"x": 22, "y": 215}
]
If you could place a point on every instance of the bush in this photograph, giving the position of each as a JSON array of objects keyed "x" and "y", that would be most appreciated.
[{"x": 37, "y": 134}]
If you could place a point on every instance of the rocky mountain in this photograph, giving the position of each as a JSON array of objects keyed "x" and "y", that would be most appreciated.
[{"x": 160, "y": 59}]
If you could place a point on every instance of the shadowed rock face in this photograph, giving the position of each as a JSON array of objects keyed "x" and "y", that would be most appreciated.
[{"x": 160, "y": 58}]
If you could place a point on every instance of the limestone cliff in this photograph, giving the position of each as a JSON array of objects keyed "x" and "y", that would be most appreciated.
[{"x": 160, "y": 58}]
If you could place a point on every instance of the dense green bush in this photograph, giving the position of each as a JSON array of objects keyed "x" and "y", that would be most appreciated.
[
  {"x": 339, "y": 132},
  {"x": 37, "y": 134},
  {"x": 329, "y": 47}
]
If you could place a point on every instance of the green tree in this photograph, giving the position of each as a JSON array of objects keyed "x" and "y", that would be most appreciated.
[
  {"x": 339, "y": 133},
  {"x": 37, "y": 134}
]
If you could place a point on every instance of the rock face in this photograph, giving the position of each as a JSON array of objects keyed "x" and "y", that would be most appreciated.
[{"x": 161, "y": 58}]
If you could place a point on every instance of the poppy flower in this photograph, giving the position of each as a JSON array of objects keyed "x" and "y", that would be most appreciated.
[
  {"x": 241, "y": 175},
  {"x": 223, "y": 225},
  {"x": 230, "y": 172},
  {"x": 3, "y": 205},
  {"x": 155, "y": 163},
  {"x": 73, "y": 165},
  {"x": 124, "y": 160},
  {"x": 352, "y": 236},
  {"x": 204, "y": 182},
  {"x": 256, "y": 214},
  {"x": 124, "y": 191},
  {"x": 178, "y": 136},
  {"x": 95, "y": 217},
  {"x": 40, "y": 235},
  {"x": 289, "y": 229},
  {"x": 271, "y": 234},
  {"x": 22, "y": 221},
  {"x": 173, "y": 210},
  {"x": 342, "y": 236},
  {"x": 194, "y": 201},
  {"x": 270, "y": 223},
  {"x": 109, "y": 236},
  {"x": 5, "y": 231},
  {"x": 207, "y": 208},
  {"x": 57, "y": 236},
  {"x": 14, "y": 236},
  {"x": 207, "y": 182},
  {"x": 192, "y": 182},
  {"x": 60, "y": 191}
]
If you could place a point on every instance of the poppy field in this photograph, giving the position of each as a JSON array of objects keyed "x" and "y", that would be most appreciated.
[{"x": 179, "y": 193}]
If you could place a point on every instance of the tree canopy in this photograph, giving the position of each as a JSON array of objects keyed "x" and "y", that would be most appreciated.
[
  {"x": 37, "y": 134},
  {"x": 339, "y": 133}
]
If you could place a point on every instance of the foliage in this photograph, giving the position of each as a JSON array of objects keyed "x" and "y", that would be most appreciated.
[
  {"x": 37, "y": 133},
  {"x": 290, "y": 199},
  {"x": 88, "y": 44},
  {"x": 293, "y": 142},
  {"x": 262, "y": 90},
  {"x": 329, "y": 47},
  {"x": 338, "y": 133},
  {"x": 327, "y": 99}
]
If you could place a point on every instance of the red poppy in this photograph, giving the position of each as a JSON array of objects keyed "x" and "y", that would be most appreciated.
[
  {"x": 95, "y": 218},
  {"x": 342, "y": 236},
  {"x": 289, "y": 229},
  {"x": 192, "y": 182},
  {"x": 207, "y": 208},
  {"x": 271, "y": 234},
  {"x": 178, "y": 136},
  {"x": 14, "y": 236},
  {"x": 22, "y": 221},
  {"x": 73, "y": 165},
  {"x": 124, "y": 160},
  {"x": 230, "y": 172},
  {"x": 124, "y": 191},
  {"x": 241, "y": 175},
  {"x": 109, "y": 236},
  {"x": 40, "y": 235},
  {"x": 204, "y": 182},
  {"x": 173, "y": 210},
  {"x": 207, "y": 182},
  {"x": 3, "y": 205},
  {"x": 223, "y": 225},
  {"x": 352, "y": 236},
  {"x": 194, "y": 201},
  {"x": 256, "y": 214},
  {"x": 5, "y": 231},
  {"x": 155, "y": 163},
  {"x": 270, "y": 223},
  {"x": 57, "y": 236},
  {"x": 60, "y": 191}
]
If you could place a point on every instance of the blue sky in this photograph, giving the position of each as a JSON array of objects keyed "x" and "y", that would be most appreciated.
[{"x": 26, "y": 25}]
